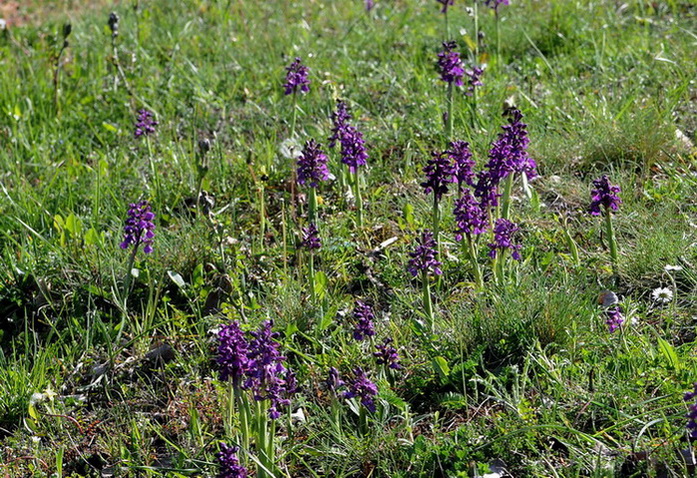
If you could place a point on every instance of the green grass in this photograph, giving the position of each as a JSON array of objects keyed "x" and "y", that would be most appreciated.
[{"x": 525, "y": 373}]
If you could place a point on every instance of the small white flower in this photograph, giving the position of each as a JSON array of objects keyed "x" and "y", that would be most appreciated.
[
  {"x": 36, "y": 398},
  {"x": 662, "y": 295},
  {"x": 670, "y": 268}
]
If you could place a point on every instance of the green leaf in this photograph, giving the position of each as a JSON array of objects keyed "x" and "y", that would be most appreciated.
[
  {"x": 668, "y": 352},
  {"x": 92, "y": 237},
  {"x": 321, "y": 282},
  {"x": 440, "y": 366},
  {"x": 73, "y": 225},
  {"x": 177, "y": 279}
]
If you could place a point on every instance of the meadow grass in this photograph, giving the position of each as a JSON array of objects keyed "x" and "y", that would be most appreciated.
[{"x": 108, "y": 367}]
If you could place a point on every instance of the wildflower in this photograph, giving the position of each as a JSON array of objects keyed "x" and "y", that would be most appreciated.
[
  {"x": 692, "y": 412},
  {"x": 386, "y": 354},
  {"x": 229, "y": 462},
  {"x": 508, "y": 153},
  {"x": 312, "y": 165},
  {"x": 446, "y": 4},
  {"x": 449, "y": 64},
  {"x": 363, "y": 321},
  {"x": 232, "y": 353},
  {"x": 474, "y": 80},
  {"x": 423, "y": 259},
  {"x": 504, "y": 230},
  {"x": 311, "y": 239},
  {"x": 333, "y": 382},
  {"x": 296, "y": 78},
  {"x": 669, "y": 268},
  {"x": 360, "y": 386},
  {"x": 145, "y": 123},
  {"x": 439, "y": 172},
  {"x": 463, "y": 164},
  {"x": 369, "y": 4},
  {"x": 486, "y": 189},
  {"x": 353, "y": 152},
  {"x": 604, "y": 194},
  {"x": 139, "y": 228},
  {"x": 340, "y": 120},
  {"x": 470, "y": 218},
  {"x": 494, "y": 4},
  {"x": 662, "y": 295},
  {"x": 615, "y": 319},
  {"x": 113, "y": 24}
]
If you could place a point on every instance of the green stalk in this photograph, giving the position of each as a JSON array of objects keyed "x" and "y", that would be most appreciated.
[
  {"x": 611, "y": 239},
  {"x": 428, "y": 304},
  {"x": 476, "y": 271},
  {"x": 498, "y": 38},
  {"x": 311, "y": 277},
  {"x": 262, "y": 214},
  {"x": 436, "y": 222},
  {"x": 447, "y": 24},
  {"x": 506, "y": 198},
  {"x": 476, "y": 32},
  {"x": 260, "y": 422},
  {"x": 230, "y": 408},
  {"x": 294, "y": 115},
  {"x": 358, "y": 197},
  {"x": 312, "y": 205},
  {"x": 451, "y": 120},
  {"x": 153, "y": 171}
]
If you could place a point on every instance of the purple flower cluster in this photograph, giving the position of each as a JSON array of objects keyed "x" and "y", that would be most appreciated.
[
  {"x": 470, "y": 217},
  {"x": 504, "y": 230},
  {"x": 494, "y": 4},
  {"x": 311, "y": 239},
  {"x": 229, "y": 462},
  {"x": 363, "y": 317},
  {"x": 386, "y": 354},
  {"x": 312, "y": 165},
  {"x": 508, "y": 154},
  {"x": 296, "y": 78},
  {"x": 334, "y": 382},
  {"x": 604, "y": 194},
  {"x": 450, "y": 64},
  {"x": 446, "y": 4},
  {"x": 423, "y": 259},
  {"x": 259, "y": 362},
  {"x": 233, "y": 350},
  {"x": 139, "y": 228},
  {"x": 692, "y": 412},
  {"x": 463, "y": 164},
  {"x": 353, "y": 151},
  {"x": 474, "y": 76},
  {"x": 145, "y": 123},
  {"x": 362, "y": 387},
  {"x": 369, "y": 4},
  {"x": 614, "y": 318},
  {"x": 439, "y": 172}
]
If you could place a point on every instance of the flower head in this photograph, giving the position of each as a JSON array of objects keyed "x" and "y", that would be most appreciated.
[
  {"x": 296, "y": 78},
  {"x": 604, "y": 194},
  {"x": 369, "y": 4},
  {"x": 387, "y": 355},
  {"x": 312, "y": 165},
  {"x": 229, "y": 463},
  {"x": 311, "y": 239},
  {"x": 340, "y": 120},
  {"x": 662, "y": 295},
  {"x": 139, "y": 228},
  {"x": 145, "y": 123},
  {"x": 423, "y": 259},
  {"x": 363, "y": 317},
  {"x": 334, "y": 382},
  {"x": 353, "y": 152},
  {"x": 470, "y": 217},
  {"x": 232, "y": 353},
  {"x": 504, "y": 230},
  {"x": 692, "y": 412},
  {"x": 446, "y": 4},
  {"x": 450, "y": 65},
  {"x": 614, "y": 318},
  {"x": 463, "y": 164},
  {"x": 360, "y": 386},
  {"x": 494, "y": 4},
  {"x": 474, "y": 79},
  {"x": 439, "y": 172}
]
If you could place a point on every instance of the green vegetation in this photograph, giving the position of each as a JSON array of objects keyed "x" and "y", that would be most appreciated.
[{"x": 107, "y": 358}]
